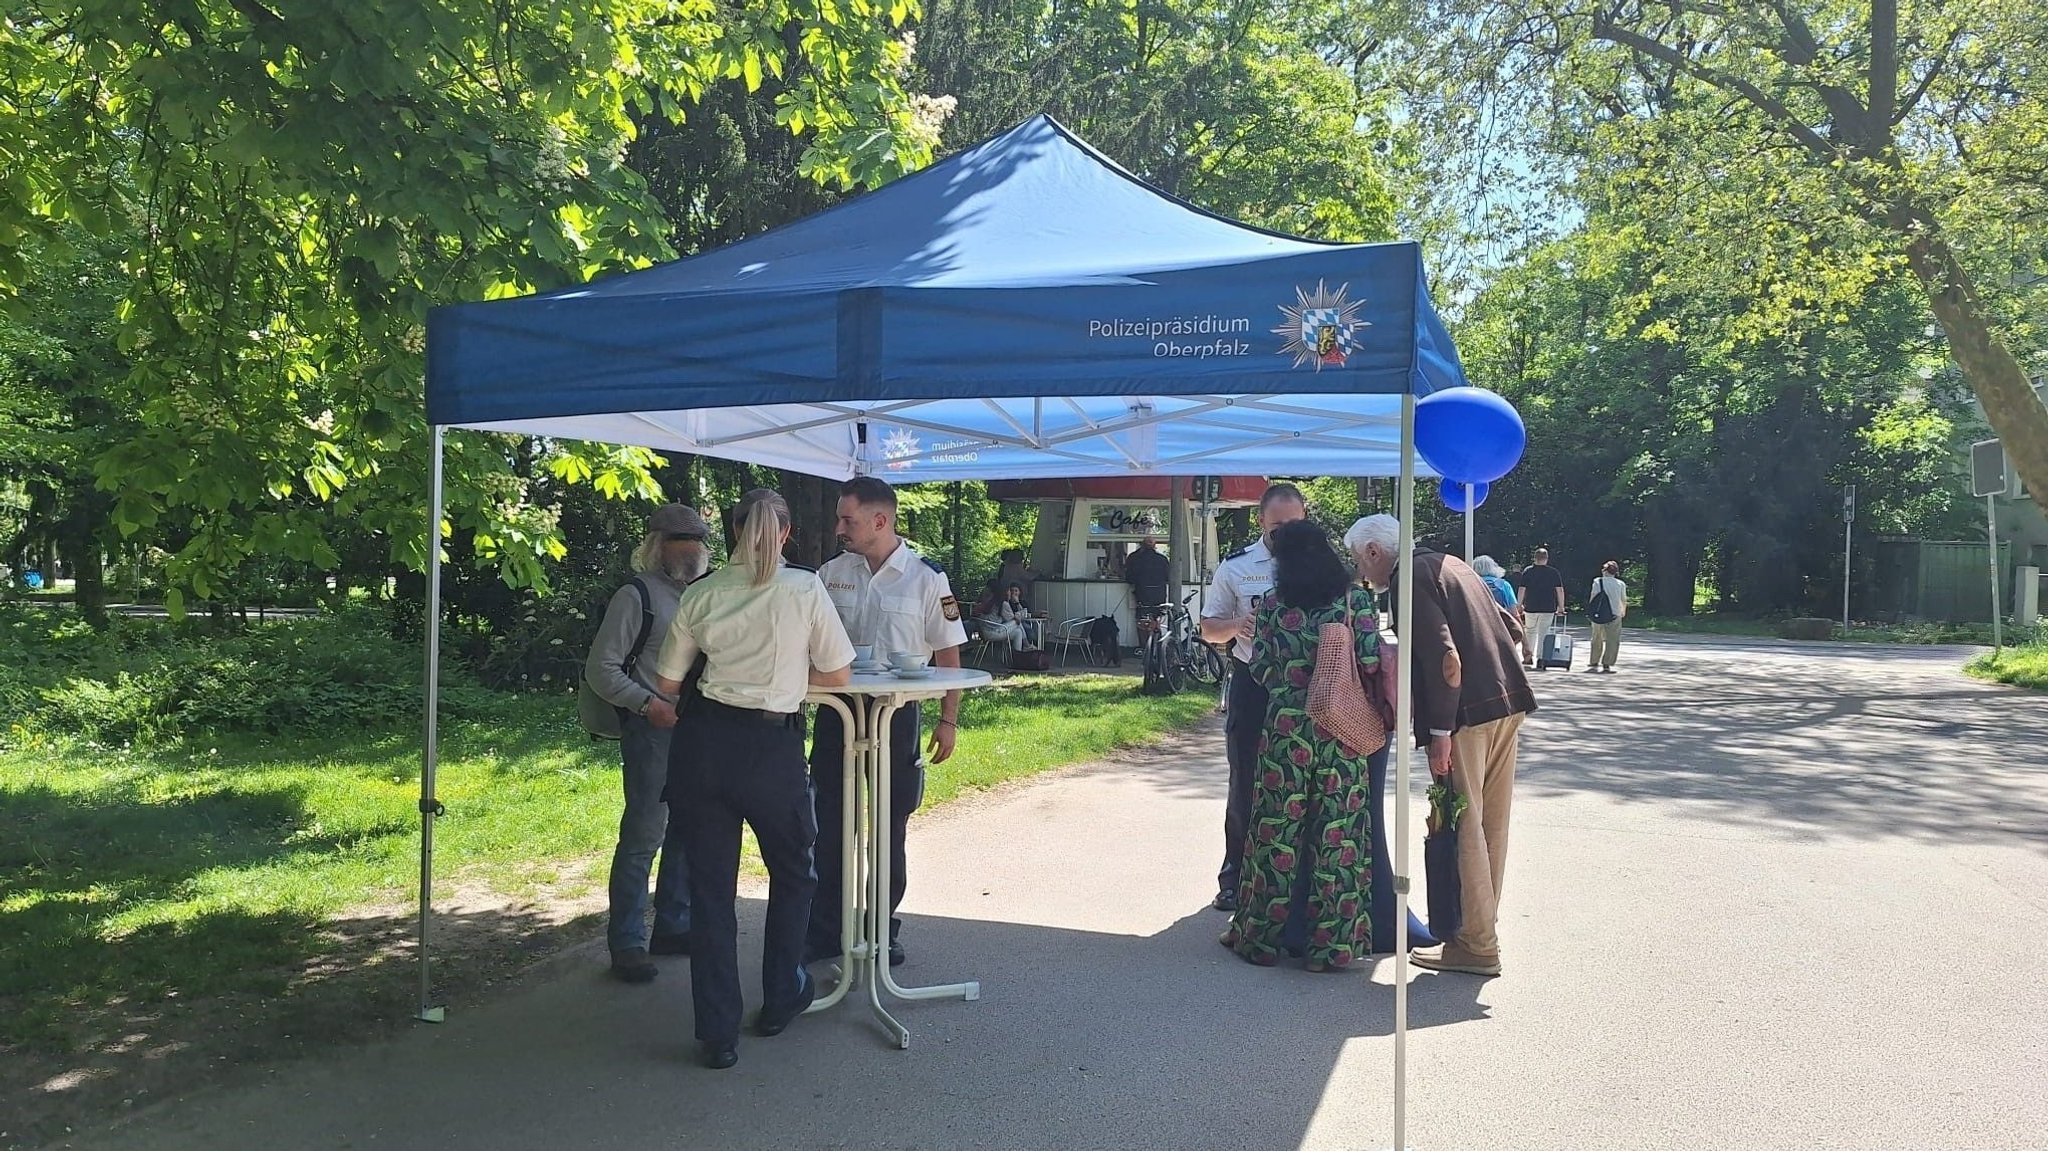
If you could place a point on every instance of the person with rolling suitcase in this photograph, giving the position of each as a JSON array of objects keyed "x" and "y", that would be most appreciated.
[{"x": 1542, "y": 607}]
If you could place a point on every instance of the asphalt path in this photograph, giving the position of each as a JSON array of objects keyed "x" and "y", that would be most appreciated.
[{"x": 1759, "y": 896}]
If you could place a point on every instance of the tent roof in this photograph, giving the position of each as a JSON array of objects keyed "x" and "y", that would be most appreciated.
[{"x": 1022, "y": 308}]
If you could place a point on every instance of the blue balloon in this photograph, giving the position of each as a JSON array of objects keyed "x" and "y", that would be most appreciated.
[
  {"x": 1469, "y": 434},
  {"x": 1454, "y": 495}
]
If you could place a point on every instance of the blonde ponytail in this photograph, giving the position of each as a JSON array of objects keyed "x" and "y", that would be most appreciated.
[{"x": 763, "y": 516}]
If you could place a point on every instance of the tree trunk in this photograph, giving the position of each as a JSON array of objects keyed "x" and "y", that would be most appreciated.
[
  {"x": 1672, "y": 567},
  {"x": 2011, "y": 406}
]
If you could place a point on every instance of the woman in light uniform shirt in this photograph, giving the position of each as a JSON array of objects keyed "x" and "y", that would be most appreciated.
[{"x": 768, "y": 634}]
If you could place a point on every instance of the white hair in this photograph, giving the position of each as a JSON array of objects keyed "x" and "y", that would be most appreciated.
[
  {"x": 1488, "y": 566},
  {"x": 1383, "y": 530}
]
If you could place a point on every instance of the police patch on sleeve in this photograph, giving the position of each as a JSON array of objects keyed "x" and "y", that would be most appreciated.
[{"x": 950, "y": 608}]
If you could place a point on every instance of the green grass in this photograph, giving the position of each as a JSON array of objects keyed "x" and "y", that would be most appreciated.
[
  {"x": 2020, "y": 666},
  {"x": 1733, "y": 625},
  {"x": 222, "y": 867}
]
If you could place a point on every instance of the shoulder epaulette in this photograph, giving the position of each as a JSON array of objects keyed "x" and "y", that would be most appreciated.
[
  {"x": 799, "y": 567},
  {"x": 1239, "y": 553},
  {"x": 933, "y": 564}
]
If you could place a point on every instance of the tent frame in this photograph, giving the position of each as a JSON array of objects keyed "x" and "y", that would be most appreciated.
[{"x": 431, "y": 808}]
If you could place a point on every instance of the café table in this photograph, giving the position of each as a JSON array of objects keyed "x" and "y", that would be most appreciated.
[{"x": 866, "y": 706}]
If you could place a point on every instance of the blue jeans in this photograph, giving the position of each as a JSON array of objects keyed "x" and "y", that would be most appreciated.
[{"x": 642, "y": 830}]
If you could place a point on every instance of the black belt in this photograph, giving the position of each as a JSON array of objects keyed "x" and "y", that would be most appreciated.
[{"x": 751, "y": 715}]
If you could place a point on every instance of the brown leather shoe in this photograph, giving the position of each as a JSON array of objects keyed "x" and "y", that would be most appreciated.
[{"x": 1451, "y": 957}]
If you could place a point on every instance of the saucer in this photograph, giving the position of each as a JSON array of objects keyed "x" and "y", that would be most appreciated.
[
  {"x": 920, "y": 673},
  {"x": 870, "y": 668}
]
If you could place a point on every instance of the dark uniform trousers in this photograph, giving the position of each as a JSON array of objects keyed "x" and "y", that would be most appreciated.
[
  {"x": 727, "y": 765},
  {"x": 906, "y": 793},
  {"x": 1241, "y": 730}
]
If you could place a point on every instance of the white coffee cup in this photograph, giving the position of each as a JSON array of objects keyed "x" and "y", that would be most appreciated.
[
  {"x": 864, "y": 653},
  {"x": 908, "y": 660}
]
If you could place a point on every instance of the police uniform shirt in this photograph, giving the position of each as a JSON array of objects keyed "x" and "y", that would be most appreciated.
[
  {"x": 1241, "y": 575},
  {"x": 906, "y": 605},
  {"x": 760, "y": 643}
]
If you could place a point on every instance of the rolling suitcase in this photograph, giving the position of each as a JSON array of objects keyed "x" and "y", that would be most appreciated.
[{"x": 1557, "y": 646}]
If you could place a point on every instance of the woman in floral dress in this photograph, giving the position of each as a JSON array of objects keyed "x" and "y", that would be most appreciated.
[{"x": 1309, "y": 851}]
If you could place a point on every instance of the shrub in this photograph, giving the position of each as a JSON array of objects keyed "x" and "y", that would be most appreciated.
[{"x": 156, "y": 680}]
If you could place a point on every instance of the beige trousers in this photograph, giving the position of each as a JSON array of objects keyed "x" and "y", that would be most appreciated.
[
  {"x": 1606, "y": 642},
  {"x": 1535, "y": 625},
  {"x": 1483, "y": 768}
]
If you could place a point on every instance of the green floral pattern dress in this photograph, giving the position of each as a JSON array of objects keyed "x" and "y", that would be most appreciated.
[{"x": 1309, "y": 803}]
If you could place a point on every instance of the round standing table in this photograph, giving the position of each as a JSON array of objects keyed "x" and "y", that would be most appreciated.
[{"x": 864, "y": 854}]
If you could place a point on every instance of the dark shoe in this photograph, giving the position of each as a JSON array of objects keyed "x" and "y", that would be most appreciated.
[
  {"x": 633, "y": 966},
  {"x": 776, "y": 1022},
  {"x": 895, "y": 953},
  {"x": 1224, "y": 901},
  {"x": 719, "y": 1056},
  {"x": 668, "y": 944}
]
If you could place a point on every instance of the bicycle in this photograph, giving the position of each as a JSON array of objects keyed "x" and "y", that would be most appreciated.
[{"x": 1173, "y": 650}]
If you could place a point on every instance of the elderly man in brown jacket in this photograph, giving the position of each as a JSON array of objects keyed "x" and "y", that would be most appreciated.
[{"x": 1470, "y": 695}]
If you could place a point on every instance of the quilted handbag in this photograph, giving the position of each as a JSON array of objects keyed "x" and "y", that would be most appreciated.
[{"x": 1337, "y": 697}]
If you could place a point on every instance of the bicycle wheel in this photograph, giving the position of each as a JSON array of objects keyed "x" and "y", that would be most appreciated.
[
  {"x": 1203, "y": 665},
  {"x": 1171, "y": 674},
  {"x": 1151, "y": 659}
]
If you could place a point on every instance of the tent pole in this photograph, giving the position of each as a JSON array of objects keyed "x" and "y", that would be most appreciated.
[
  {"x": 1468, "y": 523},
  {"x": 430, "y": 808},
  {"x": 1404, "y": 750}
]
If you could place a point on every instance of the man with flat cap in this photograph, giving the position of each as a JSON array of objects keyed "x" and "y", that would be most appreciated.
[{"x": 620, "y": 669}]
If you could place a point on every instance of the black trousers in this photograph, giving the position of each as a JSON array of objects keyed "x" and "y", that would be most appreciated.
[
  {"x": 724, "y": 767},
  {"x": 906, "y": 793},
  {"x": 1241, "y": 728}
]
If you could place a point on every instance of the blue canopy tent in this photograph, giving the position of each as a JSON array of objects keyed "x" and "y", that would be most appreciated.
[{"x": 1025, "y": 308}]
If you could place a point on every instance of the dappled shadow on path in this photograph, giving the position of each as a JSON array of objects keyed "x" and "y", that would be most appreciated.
[
  {"x": 1841, "y": 742},
  {"x": 1824, "y": 744},
  {"x": 1081, "y": 1040}
]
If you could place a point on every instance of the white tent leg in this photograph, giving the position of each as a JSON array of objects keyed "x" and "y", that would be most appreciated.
[
  {"x": 1404, "y": 749},
  {"x": 1468, "y": 523},
  {"x": 430, "y": 808}
]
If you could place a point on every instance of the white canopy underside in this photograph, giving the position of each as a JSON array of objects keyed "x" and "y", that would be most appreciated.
[{"x": 917, "y": 441}]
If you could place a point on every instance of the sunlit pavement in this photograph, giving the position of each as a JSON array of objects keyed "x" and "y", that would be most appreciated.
[{"x": 1760, "y": 896}]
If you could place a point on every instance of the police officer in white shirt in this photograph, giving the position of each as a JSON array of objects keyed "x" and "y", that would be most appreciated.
[
  {"x": 897, "y": 600},
  {"x": 1242, "y": 579},
  {"x": 768, "y": 634}
]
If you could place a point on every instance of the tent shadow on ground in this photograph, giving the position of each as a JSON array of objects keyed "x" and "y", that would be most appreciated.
[
  {"x": 324, "y": 983},
  {"x": 1133, "y": 1036},
  {"x": 1755, "y": 740}
]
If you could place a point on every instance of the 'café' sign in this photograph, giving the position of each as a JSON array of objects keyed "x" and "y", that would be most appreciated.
[{"x": 1126, "y": 521}]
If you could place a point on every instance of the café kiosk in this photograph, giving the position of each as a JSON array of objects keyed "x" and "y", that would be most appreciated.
[{"x": 1088, "y": 527}]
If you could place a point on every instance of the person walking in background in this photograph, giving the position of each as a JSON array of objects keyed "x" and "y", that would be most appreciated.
[
  {"x": 621, "y": 671},
  {"x": 1496, "y": 578},
  {"x": 1468, "y": 704},
  {"x": 1606, "y": 606},
  {"x": 1308, "y": 859},
  {"x": 768, "y": 634},
  {"x": 1228, "y": 609},
  {"x": 1542, "y": 603}
]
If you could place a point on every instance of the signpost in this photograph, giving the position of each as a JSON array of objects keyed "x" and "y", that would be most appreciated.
[
  {"x": 1988, "y": 479},
  {"x": 1848, "y": 528}
]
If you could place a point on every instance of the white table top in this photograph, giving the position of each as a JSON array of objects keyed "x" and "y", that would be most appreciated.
[{"x": 941, "y": 681}]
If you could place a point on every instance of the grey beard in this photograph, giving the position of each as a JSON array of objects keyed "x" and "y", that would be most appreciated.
[{"x": 686, "y": 570}]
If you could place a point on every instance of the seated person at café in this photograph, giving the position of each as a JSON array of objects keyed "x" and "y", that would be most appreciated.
[{"x": 1008, "y": 621}]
